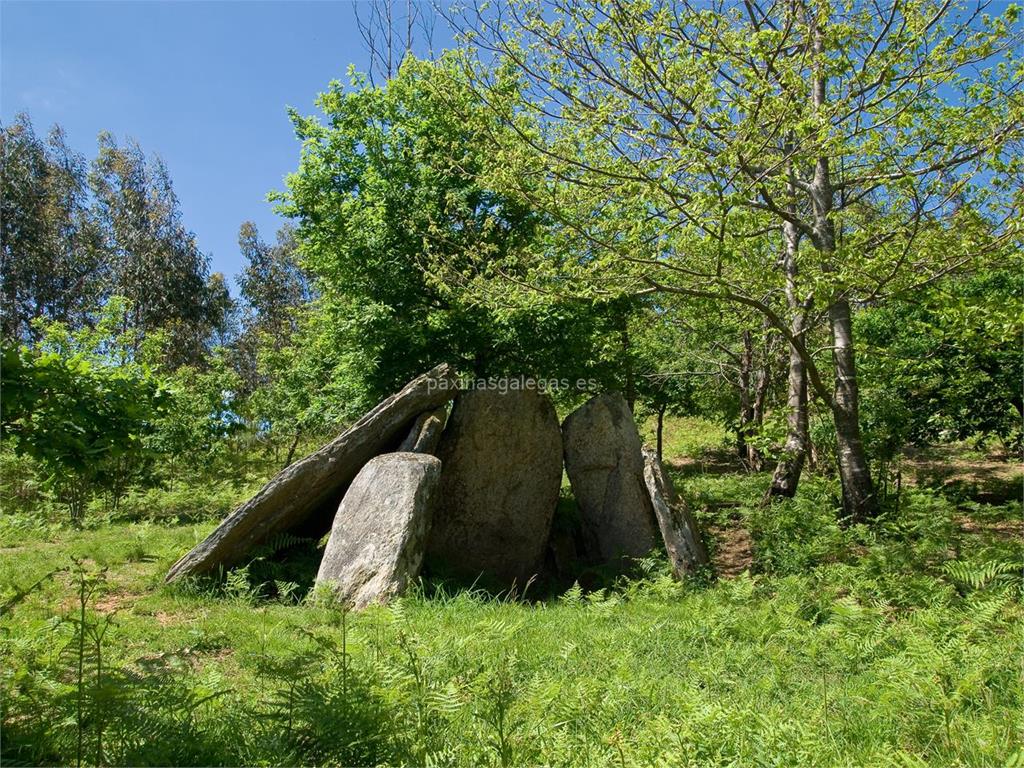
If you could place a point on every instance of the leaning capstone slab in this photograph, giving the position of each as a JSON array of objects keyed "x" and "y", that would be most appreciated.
[
  {"x": 317, "y": 481},
  {"x": 425, "y": 433},
  {"x": 501, "y": 462},
  {"x": 606, "y": 469},
  {"x": 678, "y": 528},
  {"x": 380, "y": 531}
]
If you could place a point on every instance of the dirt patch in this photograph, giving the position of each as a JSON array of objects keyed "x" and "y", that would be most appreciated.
[
  {"x": 733, "y": 551},
  {"x": 708, "y": 463},
  {"x": 165, "y": 619},
  {"x": 116, "y": 601},
  {"x": 1001, "y": 529},
  {"x": 221, "y": 654},
  {"x": 995, "y": 478}
]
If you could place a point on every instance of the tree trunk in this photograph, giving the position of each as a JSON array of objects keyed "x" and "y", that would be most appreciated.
[
  {"x": 661, "y": 428},
  {"x": 754, "y": 457},
  {"x": 794, "y": 452},
  {"x": 746, "y": 401},
  {"x": 859, "y": 500},
  {"x": 291, "y": 449},
  {"x": 627, "y": 359}
]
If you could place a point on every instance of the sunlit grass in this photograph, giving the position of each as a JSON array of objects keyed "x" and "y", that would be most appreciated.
[{"x": 850, "y": 647}]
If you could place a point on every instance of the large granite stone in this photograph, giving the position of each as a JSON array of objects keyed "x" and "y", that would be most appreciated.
[
  {"x": 679, "y": 531},
  {"x": 425, "y": 433},
  {"x": 380, "y": 531},
  {"x": 501, "y": 472},
  {"x": 606, "y": 469}
]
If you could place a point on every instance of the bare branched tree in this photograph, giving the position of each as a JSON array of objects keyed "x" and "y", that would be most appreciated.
[{"x": 391, "y": 30}]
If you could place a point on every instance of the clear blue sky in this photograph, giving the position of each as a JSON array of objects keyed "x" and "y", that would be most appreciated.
[{"x": 203, "y": 84}]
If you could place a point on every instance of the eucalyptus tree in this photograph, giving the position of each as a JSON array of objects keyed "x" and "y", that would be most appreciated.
[
  {"x": 728, "y": 150},
  {"x": 272, "y": 282},
  {"x": 153, "y": 259},
  {"x": 274, "y": 288},
  {"x": 51, "y": 263},
  {"x": 276, "y": 295}
]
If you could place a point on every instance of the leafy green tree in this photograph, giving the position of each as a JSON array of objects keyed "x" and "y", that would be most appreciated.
[
  {"x": 395, "y": 225},
  {"x": 81, "y": 408},
  {"x": 663, "y": 387},
  {"x": 51, "y": 262},
  {"x": 308, "y": 387},
  {"x": 272, "y": 282},
  {"x": 273, "y": 288},
  {"x": 193, "y": 436},
  {"x": 680, "y": 139},
  {"x": 946, "y": 365}
]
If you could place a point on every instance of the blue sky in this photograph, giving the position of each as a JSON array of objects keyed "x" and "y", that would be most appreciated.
[{"x": 203, "y": 84}]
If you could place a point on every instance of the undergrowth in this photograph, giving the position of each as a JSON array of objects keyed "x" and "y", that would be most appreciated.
[{"x": 895, "y": 644}]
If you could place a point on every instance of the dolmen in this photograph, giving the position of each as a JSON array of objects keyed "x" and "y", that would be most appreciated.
[
  {"x": 471, "y": 495},
  {"x": 307, "y": 486}
]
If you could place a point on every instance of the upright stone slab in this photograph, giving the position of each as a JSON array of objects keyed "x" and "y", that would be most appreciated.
[
  {"x": 306, "y": 486},
  {"x": 678, "y": 528},
  {"x": 380, "y": 531},
  {"x": 425, "y": 433},
  {"x": 501, "y": 462},
  {"x": 606, "y": 470}
]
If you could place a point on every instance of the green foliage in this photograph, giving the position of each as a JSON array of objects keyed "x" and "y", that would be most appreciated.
[
  {"x": 183, "y": 503},
  {"x": 796, "y": 535},
  {"x": 85, "y": 422},
  {"x": 150, "y": 257},
  {"x": 528, "y": 216},
  {"x": 72, "y": 240},
  {"x": 945, "y": 364},
  {"x": 50, "y": 256},
  {"x": 757, "y": 670},
  {"x": 193, "y": 435},
  {"x": 688, "y": 437},
  {"x": 21, "y": 489},
  {"x": 308, "y": 386},
  {"x": 395, "y": 224}
]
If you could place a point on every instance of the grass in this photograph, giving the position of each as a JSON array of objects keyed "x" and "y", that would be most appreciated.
[
  {"x": 897, "y": 644},
  {"x": 688, "y": 436}
]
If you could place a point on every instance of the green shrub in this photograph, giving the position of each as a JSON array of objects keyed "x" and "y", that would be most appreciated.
[
  {"x": 795, "y": 535},
  {"x": 21, "y": 489},
  {"x": 207, "y": 500}
]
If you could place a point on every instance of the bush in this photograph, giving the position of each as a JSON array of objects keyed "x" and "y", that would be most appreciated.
[
  {"x": 21, "y": 489},
  {"x": 795, "y": 535},
  {"x": 181, "y": 504},
  {"x": 84, "y": 423}
]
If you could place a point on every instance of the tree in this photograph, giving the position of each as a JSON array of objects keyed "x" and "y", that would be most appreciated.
[
  {"x": 77, "y": 404},
  {"x": 947, "y": 364},
  {"x": 308, "y": 386},
  {"x": 193, "y": 435},
  {"x": 272, "y": 283},
  {"x": 154, "y": 260},
  {"x": 392, "y": 30},
  {"x": 273, "y": 288},
  {"x": 51, "y": 262},
  {"x": 395, "y": 225},
  {"x": 663, "y": 388},
  {"x": 676, "y": 136}
]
